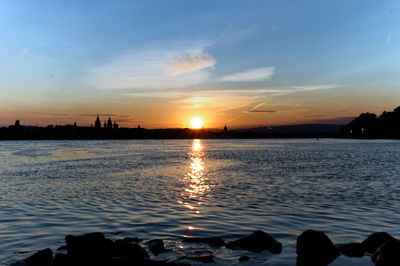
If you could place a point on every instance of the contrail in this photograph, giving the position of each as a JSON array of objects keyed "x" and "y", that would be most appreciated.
[
  {"x": 243, "y": 112},
  {"x": 255, "y": 107},
  {"x": 234, "y": 118}
]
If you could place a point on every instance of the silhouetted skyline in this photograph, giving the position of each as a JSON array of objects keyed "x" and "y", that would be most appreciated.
[
  {"x": 366, "y": 125},
  {"x": 111, "y": 130}
]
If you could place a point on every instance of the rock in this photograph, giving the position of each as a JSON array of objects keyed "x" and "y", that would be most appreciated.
[
  {"x": 257, "y": 241},
  {"x": 41, "y": 258},
  {"x": 87, "y": 243},
  {"x": 244, "y": 258},
  {"x": 128, "y": 261},
  {"x": 388, "y": 254},
  {"x": 156, "y": 246},
  {"x": 62, "y": 260},
  {"x": 132, "y": 239},
  {"x": 93, "y": 248},
  {"x": 314, "y": 248},
  {"x": 356, "y": 250},
  {"x": 120, "y": 248},
  {"x": 212, "y": 241},
  {"x": 373, "y": 241},
  {"x": 63, "y": 247}
]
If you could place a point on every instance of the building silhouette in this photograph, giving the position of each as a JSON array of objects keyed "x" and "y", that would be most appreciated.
[
  {"x": 109, "y": 123},
  {"x": 97, "y": 123}
]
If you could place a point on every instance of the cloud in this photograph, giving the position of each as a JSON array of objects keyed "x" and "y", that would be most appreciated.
[
  {"x": 23, "y": 52},
  {"x": 314, "y": 87},
  {"x": 296, "y": 89},
  {"x": 152, "y": 69},
  {"x": 112, "y": 115},
  {"x": 97, "y": 115},
  {"x": 388, "y": 38},
  {"x": 184, "y": 63},
  {"x": 60, "y": 114},
  {"x": 194, "y": 102},
  {"x": 129, "y": 121},
  {"x": 262, "y": 111},
  {"x": 257, "y": 74}
]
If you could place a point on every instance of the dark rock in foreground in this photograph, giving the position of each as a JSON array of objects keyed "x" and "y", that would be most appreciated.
[
  {"x": 258, "y": 241},
  {"x": 356, "y": 250},
  {"x": 374, "y": 240},
  {"x": 95, "y": 250},
  {"x": 244, "y": 258},
  {"x": 388, "y": 254},
  {"x": 87, "y": 243},
  {"x": 41, "y": 258},
  {"x": 212, "y": 241},
  {"x": 63, "y": 260},
  {"x": 156, "y": 246},
  {"x": 314, "y": 248},
  {"x": 123, "y": 248}
]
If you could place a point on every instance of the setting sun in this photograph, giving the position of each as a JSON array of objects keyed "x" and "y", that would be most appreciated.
[{"x": 196, "y": 122}]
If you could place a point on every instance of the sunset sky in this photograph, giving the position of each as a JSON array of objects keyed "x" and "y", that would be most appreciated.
[{"x": 160, "y": 63}]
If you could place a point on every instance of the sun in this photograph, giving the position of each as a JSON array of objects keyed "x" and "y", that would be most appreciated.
[{"x": 196, "y": 122}]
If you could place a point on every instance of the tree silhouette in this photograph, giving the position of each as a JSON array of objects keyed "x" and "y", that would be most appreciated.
[{"x": 368, "y": 125}]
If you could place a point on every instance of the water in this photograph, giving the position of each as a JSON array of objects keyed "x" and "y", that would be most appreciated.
[{"x": 176, "y": 188}]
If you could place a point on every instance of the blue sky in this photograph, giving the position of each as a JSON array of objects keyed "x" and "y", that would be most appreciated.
[{"x": 159, "y": 63}]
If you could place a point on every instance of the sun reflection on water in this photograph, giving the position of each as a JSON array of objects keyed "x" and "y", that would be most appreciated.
[{"x": 196, "y": 182}]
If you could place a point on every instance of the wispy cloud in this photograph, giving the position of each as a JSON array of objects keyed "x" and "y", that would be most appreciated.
[
  {"x": 60, "y": 115},
  {"x": 152, "y": 69},
  {"x": 296, "y": 89},
  {"x": 388, "y": 38},
  {"x": 314, "y": 87},
  {"x": 257, "y": 74},
  {"x": 112, "y": 115},
  {"x": 194, "y": 102},
  {"x": 129, "y": 121},
  {"x": 254, "y": 109},
  {"x": 97, "y": 115},
  {"x": 23, "y": 52},
  {"x": 184, "y": 63},
  {"x": 262, "y": 111}
]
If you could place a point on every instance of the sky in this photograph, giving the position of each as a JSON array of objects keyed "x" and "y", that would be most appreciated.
[{"x": 160, "y": 63}]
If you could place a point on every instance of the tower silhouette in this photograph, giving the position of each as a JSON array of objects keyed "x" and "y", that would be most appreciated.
[
  {"x": 109, "y": 123},
  {"x": 97, "y": 123}
]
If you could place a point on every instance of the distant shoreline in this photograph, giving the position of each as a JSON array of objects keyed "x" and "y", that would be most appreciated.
[{"x": 73, "y": 132}]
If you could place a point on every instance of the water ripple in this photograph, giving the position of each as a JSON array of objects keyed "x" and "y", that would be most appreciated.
[{"x": 172, "y": 189}]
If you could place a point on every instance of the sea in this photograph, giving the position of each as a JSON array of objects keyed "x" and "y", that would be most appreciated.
[{"x": 171, "y": 189}]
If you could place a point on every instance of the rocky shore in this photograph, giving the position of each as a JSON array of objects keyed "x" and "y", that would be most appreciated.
[{"x": 313, "y": 248}]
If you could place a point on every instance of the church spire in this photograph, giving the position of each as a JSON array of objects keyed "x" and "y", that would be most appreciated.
[{"x": 97, "y": 123}]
